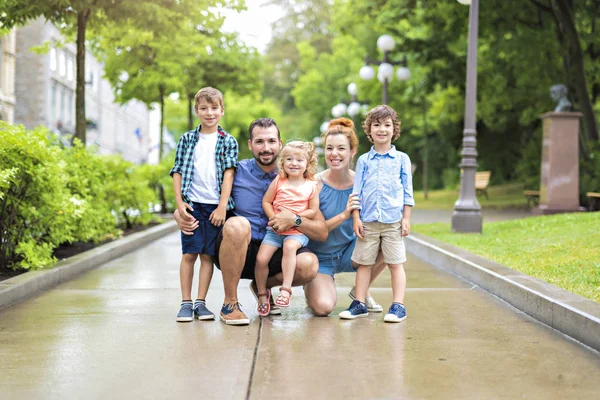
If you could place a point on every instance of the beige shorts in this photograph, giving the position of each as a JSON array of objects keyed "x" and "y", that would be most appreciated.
[{"x": 392, "y": 244}]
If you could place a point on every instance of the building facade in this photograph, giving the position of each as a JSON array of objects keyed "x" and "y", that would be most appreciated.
[
  {"x": 45, "y": 95},
  {"x": 8, "y": 46}
]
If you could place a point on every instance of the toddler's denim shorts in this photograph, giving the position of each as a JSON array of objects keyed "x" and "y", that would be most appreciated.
[{"x": 274, "y": 239}]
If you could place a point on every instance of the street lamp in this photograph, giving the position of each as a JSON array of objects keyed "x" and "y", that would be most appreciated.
[
  {"x": 385, "y": 72},
  {"x": 352, "y": 109},
  {"x": 318, "y": 141},
  {"x": 467, "y": 211}
]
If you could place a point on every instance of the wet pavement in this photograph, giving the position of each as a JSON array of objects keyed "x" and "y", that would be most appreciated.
[
  {"x": 419, "y": 216},
  {"x": 111, "y": 333}
]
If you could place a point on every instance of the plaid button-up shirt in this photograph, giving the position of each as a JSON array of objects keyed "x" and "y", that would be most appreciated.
[{"x": 226, "y": 152}]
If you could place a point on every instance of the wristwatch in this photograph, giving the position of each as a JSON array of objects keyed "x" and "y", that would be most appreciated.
[{"x": 297, "y": 220}]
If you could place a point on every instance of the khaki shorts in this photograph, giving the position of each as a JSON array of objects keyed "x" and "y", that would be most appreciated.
[{"x": 392, "y": 244}]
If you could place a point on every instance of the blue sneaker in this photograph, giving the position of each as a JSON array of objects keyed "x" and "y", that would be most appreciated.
[
  {"x": 201, "y": 312},
  {"x": 396, "y": 313},
  {"x": 356, "y": 310},
  {"x": 186, "y": 312}
]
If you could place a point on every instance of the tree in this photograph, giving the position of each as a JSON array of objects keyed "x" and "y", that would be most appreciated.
[
  {"x": 229, "y": 66},
  {"x": 73, "y": 17},
  {"x": 304, "y": 21},
  {"x": 147, "y": 59}
]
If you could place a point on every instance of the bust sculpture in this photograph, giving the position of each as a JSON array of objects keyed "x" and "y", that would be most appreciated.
[{"x": 559, "y": 95}]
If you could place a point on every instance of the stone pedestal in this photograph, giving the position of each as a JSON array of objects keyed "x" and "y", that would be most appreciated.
[{"x": 559, "y": 184}]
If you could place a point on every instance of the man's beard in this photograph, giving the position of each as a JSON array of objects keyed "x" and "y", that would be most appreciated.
[{"x": 266, "y": 164}]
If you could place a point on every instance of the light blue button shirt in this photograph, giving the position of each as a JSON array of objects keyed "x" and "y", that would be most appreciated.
[{"x": 383, "y": 183}]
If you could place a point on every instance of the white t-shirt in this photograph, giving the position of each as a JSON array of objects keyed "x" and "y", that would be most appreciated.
[{"x": 204, "y": 187}]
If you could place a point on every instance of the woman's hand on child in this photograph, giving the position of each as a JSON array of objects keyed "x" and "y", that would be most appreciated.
[
  {"x": 352, "y": 204},
  {"x": 217, "y": 217}
]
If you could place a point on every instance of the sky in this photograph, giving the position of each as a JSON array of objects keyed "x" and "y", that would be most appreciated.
[{"x": 253, "y": 24}]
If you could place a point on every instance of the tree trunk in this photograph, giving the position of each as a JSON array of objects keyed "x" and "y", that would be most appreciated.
[
  {"x": 161, "y": 92},
  {"x": 425, "y": 154},
  {"x": 163, "y": 199},
  {"x": 565, "y": 17},
  {"x": 190, "y": 112},
  {"x": 80, "y": 123}
]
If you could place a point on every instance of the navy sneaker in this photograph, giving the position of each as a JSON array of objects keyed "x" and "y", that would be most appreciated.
[
  {"x": 186, "y": 312},
  {"x": 201, "y": 312},
  {"x": 356, "y": 310},
  {"x": 396, "y": 313}
]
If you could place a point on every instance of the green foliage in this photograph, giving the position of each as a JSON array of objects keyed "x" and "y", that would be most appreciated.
[
  {"x": 521, "y": 53},
  {"x": 563, "y": 250},
  {"x": 50, "y": 195},
  {"x": 159, "y": 182},
  {"x": 240, "y": 111},
  {"x": 508, "y": 196},
  {"x": 589, "y": 173},
  {"x": 37, "y": 210},
  {"x": 528, "y": 168},
  {"x": 304, "y": 21}
]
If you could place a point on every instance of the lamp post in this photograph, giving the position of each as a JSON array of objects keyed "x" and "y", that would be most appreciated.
[
  {"x": 385, "y": 72},
  {"x": 318, "y": 141},
  {"x": 467, "y": 211},
  {"x": 353, "y": 108}
]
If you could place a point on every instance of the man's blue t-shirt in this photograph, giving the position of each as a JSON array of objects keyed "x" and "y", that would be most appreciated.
[{"x": 249, "y": 187}]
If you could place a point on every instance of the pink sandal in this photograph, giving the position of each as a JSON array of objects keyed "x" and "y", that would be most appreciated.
[
  {"x": 281, "y": 300},
  {"x": 264, "y": 308}
]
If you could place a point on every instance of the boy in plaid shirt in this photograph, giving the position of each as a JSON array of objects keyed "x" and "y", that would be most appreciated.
[{"x": 203, "y": 173}]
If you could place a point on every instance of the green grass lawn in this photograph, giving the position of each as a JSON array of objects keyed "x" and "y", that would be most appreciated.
[
  {"x": 503, "y": 196},
  {"x": 563, "y": 249}
]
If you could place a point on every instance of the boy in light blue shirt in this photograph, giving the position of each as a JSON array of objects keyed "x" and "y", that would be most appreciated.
[{"x": 383, "y": 182}]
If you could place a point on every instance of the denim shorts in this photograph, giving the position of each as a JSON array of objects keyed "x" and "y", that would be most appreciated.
[
  {"x": 274, "y": 239},
  {"x": 204, "y": 238},
  {"x": 335, "y": 263},
  {"x": 251, "y": 253}
]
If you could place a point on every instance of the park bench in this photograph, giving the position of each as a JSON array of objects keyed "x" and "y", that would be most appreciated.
[
  {"x": 532, "y": 196},
  {"x": 482, "y": 180},
  {"x": 593, "y": 198}
]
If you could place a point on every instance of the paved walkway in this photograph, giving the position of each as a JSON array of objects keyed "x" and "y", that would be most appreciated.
[
  {"x": 112, "y": 334},
  {"x": 419, "y": 216}
]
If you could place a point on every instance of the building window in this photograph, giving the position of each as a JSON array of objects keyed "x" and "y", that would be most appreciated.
[
  {"x": 53, "y": 59},
  {"x": 1, "y": 62},
  {"x": 62, "y": 63},
  {"x": 70, "y": 68},
  {"x": 53, "y": 105},
  {"x": 63, "y": 104},
  {"x": 92, "y": 80},
  {"x": 71, "y": 106}
]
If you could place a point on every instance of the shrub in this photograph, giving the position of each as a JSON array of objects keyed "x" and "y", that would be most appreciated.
[
  {"x": 50, "y": 195},
  {"x": 37, "y": 211}
]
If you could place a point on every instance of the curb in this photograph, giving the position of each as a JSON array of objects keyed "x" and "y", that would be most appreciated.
[
  {"x": 29, "y": 283},
  {"x": 571, "y": 314}
]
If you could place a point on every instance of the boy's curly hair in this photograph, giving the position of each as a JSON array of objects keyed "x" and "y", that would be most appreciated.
[
  {"x": 211, "y": 95},
  {"x": 341, "y": 126},
  {"x": 380, "y": 114},
  {"x": 309, "y": 151}
]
